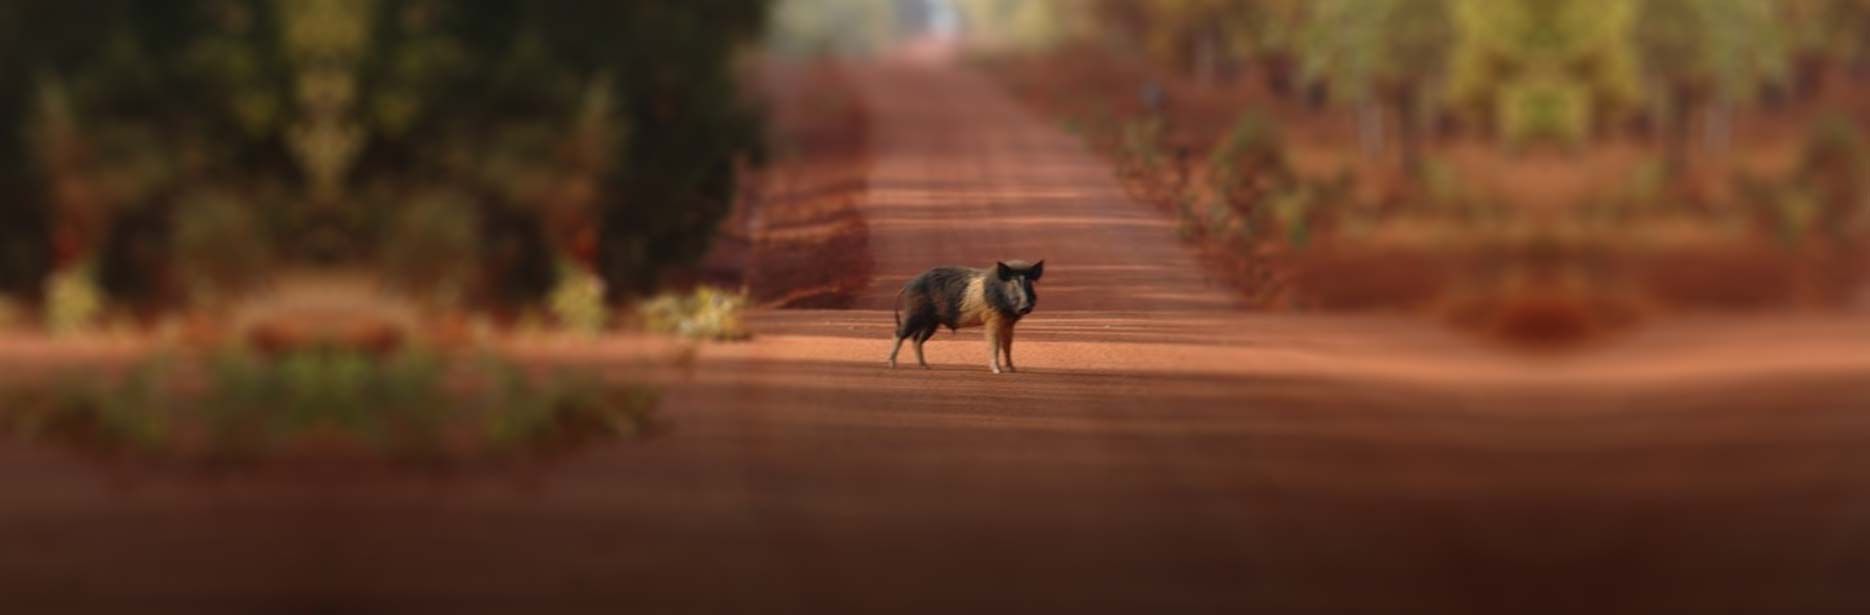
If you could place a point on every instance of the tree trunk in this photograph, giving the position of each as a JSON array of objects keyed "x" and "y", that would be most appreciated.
[
  {"x": 1808, "y": 75},
  {"x": 1207, "y": 59},
  {"x": 1677, "y": 130},
  {"x": 1277, "y": 71},
  {"x": 1408, "y": 130},
  {"x": 1370, "y": 128},
  {"x": 1719, "y": 128}
]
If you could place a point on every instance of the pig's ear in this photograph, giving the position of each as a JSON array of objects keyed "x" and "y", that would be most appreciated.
[
  {"x": 1037, "y": 270},
  {"x": 1000, "y": 270}
]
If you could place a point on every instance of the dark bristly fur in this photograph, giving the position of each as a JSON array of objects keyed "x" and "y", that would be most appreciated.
[{"x": 957, "y": 297}]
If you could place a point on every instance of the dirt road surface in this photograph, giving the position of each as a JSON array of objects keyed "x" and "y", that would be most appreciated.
[{"x": 1158, "y": 452}]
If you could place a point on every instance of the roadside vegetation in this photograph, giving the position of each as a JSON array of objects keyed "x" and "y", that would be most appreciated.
[
  {"x": 323, "y": 215},
  {"x": 705, "y": 314},
  {"x": 479, "y": 157},
  {"x": 1543, "y": 171},
  {"x": 247, "y": 407}
]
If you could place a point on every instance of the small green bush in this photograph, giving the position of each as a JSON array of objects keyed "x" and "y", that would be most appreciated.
[
  {"x": 1833, "y": 168},
  {"x": 1442, "y": 184},
  {"x": 1142, "y": 144},
  {"x": 130, "y": 414},
  {"x": 1795, "y": 215},
  {"x": 1544, "y": 110},
  {"x": 1833, "y": 142},
  {"x": 707, "y": 313},
  {"x": 73, "y": 301},
  {"x": 1291, "y": 211},
  {"x": 539, "y": 413},
  {"x": 1189, "y": 223},
  {"x": 1824, "y": 196},
  {"x": 1250, "y": 162},
  {"x": 1258, "y": 195},
  {"x": 577, "y": 300}
]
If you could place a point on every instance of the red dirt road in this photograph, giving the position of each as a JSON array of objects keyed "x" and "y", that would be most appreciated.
[
  {"x": 1157, "y": 453},
  {"x": 963, "y": 176}
]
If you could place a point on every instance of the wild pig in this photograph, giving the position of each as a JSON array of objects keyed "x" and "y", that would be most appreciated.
[{"x": 957, "y": 297}]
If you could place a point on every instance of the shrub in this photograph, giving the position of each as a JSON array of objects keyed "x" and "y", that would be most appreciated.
[
  {"x": 1823, "y": 195},
  {"x": 172, "y": 97},
  {"x": 1249, "y": 162},
  {"x": 1189, "y": 222},
  {"x": 1141, "y": 147},
  {"x": 1442, "y": 184},
  {"x": 128, "y": 415},
  {"x": 73, "y": 300},
  {"x": 1535, "y": 110},
  {"x": 1832, "y": 167},
  {"x": 1259, "y": 195},
  {"x": 577, "y": 301},
  {"x": 242, "y": 406},
  {"x": 707, "y": 313},
  {"x": 539, "y": 413},
  {"x": 1291, "y": 212}
]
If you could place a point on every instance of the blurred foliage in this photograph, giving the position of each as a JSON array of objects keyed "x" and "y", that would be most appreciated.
[
  {"x": 1371, "y": 48},
  {"x": 1543, "y": 70},
  {"x": 1535, "y": 110},
  {"x": 1250, "y": 161},
  {"x": 706, "y": 313},
  {"x": 25, "y": 247},
  {"x": 1204, "y": 38},
  {"x": 1019, "y": 23},
  {"x": 432, "y": 248},
  {"x": 220, "y": 246},
  {"x": 577, "y": 302},
  {"x": 73, "y": 301},
  {"x": 1525, "y": 71},
  {"x": 1707, "y": 55},
  {"x": 1381, "y": 52},
  {"x": 833, "y": 26},
  {"x": 1710, "y": 48},
  {"x": 1820, "y": 31},
  {"x": 239, "y": 406},
  {"x": 1141, "y": 149},
  {"x": 325, "y": 119},
  {"x": 529, "y": 414},
  {"x": 1826, "y": 195},
  {"x": 1257, "y": 193}
]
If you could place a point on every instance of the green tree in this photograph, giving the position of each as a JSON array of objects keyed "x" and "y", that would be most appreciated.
[
  {"x": 540, "y": 120},
  {"x": 1821, "y": 34},
  {"x": 1544, "y": 68},
  {"x": 1381, "y": 54},
  {"x": 1206, "y": 38},
  {"x": 1707, "y": 56},
  {"x": 833, "y": 26},
  {"x": 25, "y": 230}
]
